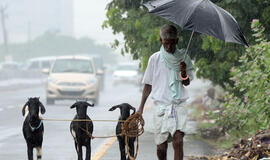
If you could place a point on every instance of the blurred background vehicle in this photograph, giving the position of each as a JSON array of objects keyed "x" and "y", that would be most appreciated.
[
  {"x": 38, "y": 63},
  {"x": 9, "y": 69},
  {"x": 126, "y": 73},
  {"x": 33, "y": 67},
  {"x": 10, "y": 65},
  {"x": 72, "y": 77}
]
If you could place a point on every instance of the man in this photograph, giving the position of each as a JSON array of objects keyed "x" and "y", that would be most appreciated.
[{"x": 166, "y": 85}]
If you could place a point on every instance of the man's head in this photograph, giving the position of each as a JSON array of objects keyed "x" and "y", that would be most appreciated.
[{"x": 168, "y": 37}]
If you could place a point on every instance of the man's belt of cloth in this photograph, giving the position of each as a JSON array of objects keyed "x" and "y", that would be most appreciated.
[{"x": 132, "y": 127}]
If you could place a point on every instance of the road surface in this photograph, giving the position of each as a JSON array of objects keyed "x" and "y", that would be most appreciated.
[{"x": 58, "y": 143}]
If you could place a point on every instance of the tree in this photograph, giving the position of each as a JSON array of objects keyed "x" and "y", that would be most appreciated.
[
  {"x": 51, "y": 43},
  {"x": 140, "y": 29},
  {"x": 222, "y": 56},
  {"x": 213, "y": 58}
]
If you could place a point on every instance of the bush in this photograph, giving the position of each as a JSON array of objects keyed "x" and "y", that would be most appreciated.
[{"x": 249, "y": 110}]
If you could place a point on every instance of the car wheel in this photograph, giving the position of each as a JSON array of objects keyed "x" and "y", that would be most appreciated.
[{"x": 50, "y": 101}]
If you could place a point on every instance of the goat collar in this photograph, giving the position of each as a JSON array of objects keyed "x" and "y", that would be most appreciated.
[{"x": 35, "y": 128}]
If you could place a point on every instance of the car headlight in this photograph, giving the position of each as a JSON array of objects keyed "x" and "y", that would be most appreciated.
[
  {"x": 51, "y": 80},
  {"x": 92, "y": 81}
]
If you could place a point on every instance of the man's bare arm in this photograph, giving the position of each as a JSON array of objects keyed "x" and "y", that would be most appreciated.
[{"x": 146, "y": 92}]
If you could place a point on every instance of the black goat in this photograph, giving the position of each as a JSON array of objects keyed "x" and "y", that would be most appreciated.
[
  {"x": 124, "y": 114},
  {"x": 82, "y": 130},
  {"x": 33, "y": 128}
]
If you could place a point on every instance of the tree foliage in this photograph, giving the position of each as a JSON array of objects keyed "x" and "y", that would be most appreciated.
[
  {"x": 225, "y": 55},
  {"x": 53, "y": 44},
  {"x": 140, "y": 29},
  {"x": 129, "y": 18},
  {"x": 213, "y": 58},
  {"x": 249, "y": 112}
]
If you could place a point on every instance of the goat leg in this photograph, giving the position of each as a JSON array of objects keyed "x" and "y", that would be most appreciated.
[
  {"x": 79, "y": 150},
  {"x": 122, "y": 148},
  {"x": 39, "y": 153},
  {"x": 30, "y": 152},
  {"x": 80, "y": 154},
  {"x": 131, "y": 147},
  {"x": 88, "y": 152}
]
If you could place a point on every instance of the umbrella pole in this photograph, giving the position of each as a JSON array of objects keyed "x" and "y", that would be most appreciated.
[{"x": 188, "y": 44}]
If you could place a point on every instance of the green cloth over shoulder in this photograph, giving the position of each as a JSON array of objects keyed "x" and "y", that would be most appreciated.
[{"x": 172, "y": 61}]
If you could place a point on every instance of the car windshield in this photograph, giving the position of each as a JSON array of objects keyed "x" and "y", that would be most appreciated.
[
  {"x": 72, "y": 65},
  {"x": 127, "y": 67}
]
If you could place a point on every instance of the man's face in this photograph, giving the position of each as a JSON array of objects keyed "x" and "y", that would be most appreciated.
[{"x": 169, "y": 44}]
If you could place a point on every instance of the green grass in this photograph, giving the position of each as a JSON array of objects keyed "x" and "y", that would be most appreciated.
[
  {"x": 205, "y": 125},
  {"x": 196, "y": 113},
  {"x": 220, "y": 144},
  {"x": 223, "y": 143}
]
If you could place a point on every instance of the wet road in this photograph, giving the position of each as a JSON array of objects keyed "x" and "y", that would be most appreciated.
[{"x": 58, "y": 143}]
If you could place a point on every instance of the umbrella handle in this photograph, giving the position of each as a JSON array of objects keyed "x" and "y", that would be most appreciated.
[{"x": 188, "y": 44}]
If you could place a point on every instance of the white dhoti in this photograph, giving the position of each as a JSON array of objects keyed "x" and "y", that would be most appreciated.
[{"x": 167, "y": 120}]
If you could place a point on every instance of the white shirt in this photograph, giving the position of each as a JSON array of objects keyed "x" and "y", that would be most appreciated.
[{"x": 157, "y": 74}]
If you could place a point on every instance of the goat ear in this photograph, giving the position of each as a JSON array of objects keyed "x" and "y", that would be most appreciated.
[
  {"x": 73, "y": 106},
  {"x": 23, "y": 109},
  {"x": 90, "y": 105},
  {"x": 42, "y": 108},
  {"x": 114, "y": 107},
  {"x": 132, "y": 108}
]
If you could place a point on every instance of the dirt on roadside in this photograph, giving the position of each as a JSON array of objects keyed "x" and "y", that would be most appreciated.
[{"x": 255, "y": 148}]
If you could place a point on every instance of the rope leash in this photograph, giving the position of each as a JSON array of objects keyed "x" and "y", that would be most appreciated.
[
  {"x": 132, "y": 127},
  {"x": 79, "y": 120}
]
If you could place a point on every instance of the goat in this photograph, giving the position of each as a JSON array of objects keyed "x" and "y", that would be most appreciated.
[
  {"x": 124, "y": 114},
  {"x": 82, "y": 131},
  {"x": 33, "y": 128}
]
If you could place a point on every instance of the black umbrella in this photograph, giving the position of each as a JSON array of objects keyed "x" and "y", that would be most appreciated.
[{"x": 201, "y": 16}]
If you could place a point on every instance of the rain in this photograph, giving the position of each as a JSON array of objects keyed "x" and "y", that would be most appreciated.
[{"x": 62, "y": 52}]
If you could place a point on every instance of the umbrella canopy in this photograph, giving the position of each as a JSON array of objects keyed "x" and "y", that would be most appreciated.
[{"x": 201, "y": 16}]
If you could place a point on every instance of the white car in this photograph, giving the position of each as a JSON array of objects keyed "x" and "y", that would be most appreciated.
[
  {"x": 39, "y": 63},
  {"x": 126, "y": 73},
  {"x": 72, "y": 77}
]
